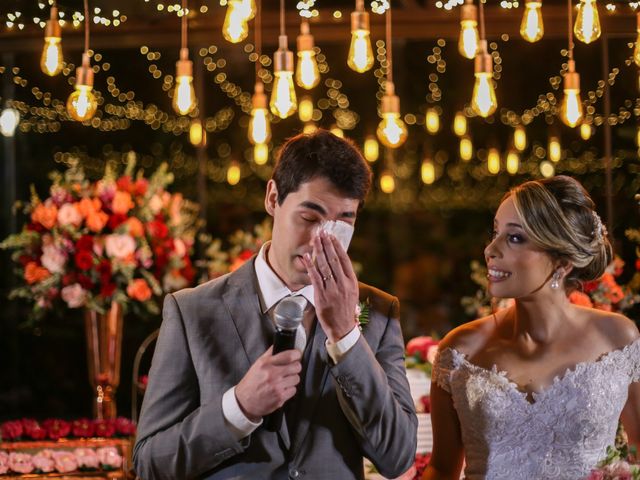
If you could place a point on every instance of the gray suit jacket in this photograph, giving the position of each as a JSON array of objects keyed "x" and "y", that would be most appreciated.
[{"x": 209, "y": 338}]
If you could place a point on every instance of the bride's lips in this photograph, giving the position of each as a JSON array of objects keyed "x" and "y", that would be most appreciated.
[{"x": 496, "y": 275}]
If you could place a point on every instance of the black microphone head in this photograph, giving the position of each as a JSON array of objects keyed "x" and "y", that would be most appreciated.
[{"x": 289, "y": 312}]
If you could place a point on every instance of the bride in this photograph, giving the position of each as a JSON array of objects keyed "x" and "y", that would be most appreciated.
[{"x": 535, "y": 391}]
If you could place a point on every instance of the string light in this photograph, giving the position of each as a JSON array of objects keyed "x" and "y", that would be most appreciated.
[
  {"x": 307, "y": 73},
  {"x": 371, "y": 149},
  {"x": 82, "y": 103},
  {"x": 305, "y": 109},
  {"x": 466, "y": 149},
  {"x": 555, "y": 150},
  {"x": 493, "y": 161},
  {"x": 184, "y": 95},
  {"x": 51, "y": 59},
  {"x": 586, "y": 131},
  {"x": 260, "y": 152},
  {"x": 387, "y": 182},
  {"x": 360, "y": 56},
  {"x": 469, "y": 39},
  {"x": 392, "y": 132},
  {"x": 587, "y": 27},
  {"x": 519, "y": 138},
  {"x": 460, "y": 124},
  {"x": 571, "y": 109},
  {"x": 233, "y": 173},
  {"x": 547, "y": 169},
  {"x": 513, "y": 162},
  {"x": 196, "y": 132},
  {"x": 432, "y": 121},
  {"x": 532, "y": 27},
  {"x": 427, "y": 171},
  {"x": 283, "y": 101}
]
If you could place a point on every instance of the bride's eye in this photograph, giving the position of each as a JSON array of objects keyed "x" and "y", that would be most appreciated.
[{"x": 515, "y": 238}]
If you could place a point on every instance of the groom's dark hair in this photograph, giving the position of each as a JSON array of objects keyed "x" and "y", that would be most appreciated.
[{"x": 322, "y": 154}]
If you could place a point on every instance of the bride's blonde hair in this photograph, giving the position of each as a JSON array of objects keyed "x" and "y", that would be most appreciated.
[{"x": 559, "y": 217}]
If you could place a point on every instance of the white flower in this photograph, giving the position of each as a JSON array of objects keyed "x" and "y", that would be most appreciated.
[
  {"x": 109, "y": 456},
  {"x": 155, "y": 203},
  {"x": 120, "y": 245},
  {"x": 69, "y": 215},
  {"x": 172, "y": 282},
  {"x": 53, "y": 258},
  {"x": 74, "y": 295}
]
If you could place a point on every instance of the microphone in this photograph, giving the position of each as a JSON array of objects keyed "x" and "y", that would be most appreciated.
[{"x": 288, "y": 316}]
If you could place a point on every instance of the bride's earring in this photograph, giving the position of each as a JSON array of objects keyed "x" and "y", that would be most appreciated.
[{"x": 555, "y": 280}]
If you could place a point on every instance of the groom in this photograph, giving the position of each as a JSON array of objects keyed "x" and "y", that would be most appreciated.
[{"x": 214, "y": 379}]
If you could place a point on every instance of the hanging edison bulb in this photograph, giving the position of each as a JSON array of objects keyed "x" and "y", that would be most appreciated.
[
  {"x": 371, "y": 149},
  {"x": 235, "y": 28},
  {"x": 259, "y": 127},
  {"x": 428, "y": 171},
  {"x": 587, "y": 26},
  {"x": 387, "y": 182},
  {"x": 547, "y": 169},
  {"x": 51, "y": 59},
  {"x": 555, "y": 150},
  {"x": 520, "y": 138},
  {"x": 305, "y": 109},
  {"x": 586, "y": 131},
  {"x": 233, "y": 173},
  {"x": 249, "y": 9},
  {"x": 432, "y": 121},
  {"x": 571, "y": 108},
  {"x": 309, "y": 128},
  {"x": 636, "y": 48},
  {"x": 260, "y": 153},
  {"x": 392, "y": 132},
  {"x": 184, "y": 95},
  {"x": 469, "y": 38},
  {"x": 196, "y": 132},
  {"x": 360, "y": 56},
  {"x": 513, "y": 162},
  {"x": 307, "y": 73},
  {"x": 283, "y": 101},
  {"x": 493, "y": 161},
  {"x": 337, "y": 131},
  {"x": 460, "y": 124},
  {"x": 9, "y": 121},
  {"x": 532, "y": 28},
  {"x": 483, "y": 99},
  {"x": 466, "y": 149},
  {"x": 82, "y": 104}
]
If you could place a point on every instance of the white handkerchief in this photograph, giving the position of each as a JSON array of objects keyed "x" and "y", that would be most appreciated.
[{"x": 343, "y": 231}]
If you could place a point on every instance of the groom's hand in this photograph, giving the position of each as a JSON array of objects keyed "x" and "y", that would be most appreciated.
[
  {"x": 269, "y": 383},
  {"x": 335, "y": 286}
]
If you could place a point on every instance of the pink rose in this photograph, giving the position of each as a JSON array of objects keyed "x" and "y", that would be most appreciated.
[
  {"x": 59, "y": 195},
  {"x": 179, "y": 247},
  {"x": 86, "y": 458},
  {"x": 20, "y": 462},
  {"x": 74, "y": 295},
  {"x": 119, "y": 245},
  {"x": 105, "y": 190},
  {"x": 155, "y": 204},
  {"x": 595, "y": 475},
  {"x": 69, "y": 215},
  {"x": 145, "y": 256},
  {"x": 53, "y": 259},
  {"x": 43, "y": 461},
  {"x": 65, "y": 461},
  {"x": 109, "y": 457},
  {"x": 4, "y": 462}
]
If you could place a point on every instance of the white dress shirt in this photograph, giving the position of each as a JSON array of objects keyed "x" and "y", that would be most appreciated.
[{"x": 271, "y": 289}]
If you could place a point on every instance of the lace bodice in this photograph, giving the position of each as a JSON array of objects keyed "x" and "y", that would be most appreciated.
[{"x": 562, "y": 434}]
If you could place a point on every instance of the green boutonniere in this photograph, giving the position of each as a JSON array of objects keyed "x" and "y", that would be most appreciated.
[{"x": 362, "y": 314}]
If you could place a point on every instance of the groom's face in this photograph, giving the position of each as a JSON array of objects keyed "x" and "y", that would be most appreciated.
[{"x": 295, "y": 220}]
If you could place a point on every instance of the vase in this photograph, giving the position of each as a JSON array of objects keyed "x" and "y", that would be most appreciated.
[{"x": 104, "y": 347}]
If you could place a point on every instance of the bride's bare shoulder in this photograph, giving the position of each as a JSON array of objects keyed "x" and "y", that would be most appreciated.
[
  {"x": 469, "y": 337},
  {"x": 617, "y": 329}
]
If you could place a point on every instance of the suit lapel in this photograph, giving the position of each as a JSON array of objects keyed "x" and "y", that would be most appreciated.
[
  {"x": 254, "y": 329},
  {"x": 313, "y": 386}
]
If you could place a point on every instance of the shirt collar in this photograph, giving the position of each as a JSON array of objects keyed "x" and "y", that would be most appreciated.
[{"x": 271, "y": 288}]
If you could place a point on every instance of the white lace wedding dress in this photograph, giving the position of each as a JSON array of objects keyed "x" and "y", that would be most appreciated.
[{"x": 561, "y": 435}]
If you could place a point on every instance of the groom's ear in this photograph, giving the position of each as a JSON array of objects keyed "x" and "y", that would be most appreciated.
[{"x": 271, "y": 197}]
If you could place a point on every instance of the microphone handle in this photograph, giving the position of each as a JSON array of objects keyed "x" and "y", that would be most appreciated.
[{"x": 283, "y": 340}]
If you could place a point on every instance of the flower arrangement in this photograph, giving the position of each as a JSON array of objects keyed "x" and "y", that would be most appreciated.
[
  {"x": 421, "y": 353},
  {"x": 618, "y": 465},
  {"x": 122, "y": 239},
  {"x": 56, "y": 429},
  {"x": 242, "y": 246},
  {"x": 61, "y": 461},
  {"x": 604, "y": 293}
]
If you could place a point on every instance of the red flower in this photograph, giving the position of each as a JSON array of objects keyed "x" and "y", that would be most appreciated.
[
  {"x": 104, "y": 270},
  {"x": 104, "y": 428},
  {"x": 11, "y": 430},
  {"x": 425, "y": 400},
  {"x": 638, "y": 264},
  {"x": 85, "y": 281},
  {"x": 124, "y": 426},
  {"x": 590, "y": 286},
  {"x": 33, "y": 430},
  {"x": 68, "y": 279},
  {"x": 82, "y": 428},
  {"x": 419, "y": 347},
  {"x": 124, "y": 183},
  {"x": 107, "y": 289},
  {"x": 24, "y": 259},
  {"x": 85, "y": 242},
  {"x": 84, "y": 259},
  {"x": 116, "y": 219},
  {"x": 245, "y": 255},
  {"x": 188, "y": 272},
  {"x": 157, "y": 229},
  {"x": 56, "y": 428},
  {"x": 141, "y": 186}
]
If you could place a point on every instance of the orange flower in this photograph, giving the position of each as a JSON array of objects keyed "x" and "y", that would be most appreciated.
[
  {"x": 138, "y": 289},
  {"x": 579, "y": 298},
  {"x": 86, "y": 206},
  {"x": 33, "y": 273},
  {"x": 97, "y": 220},
  {"x": 46, "y": 215},
  {"x": 136, "y": 229},
  {"x": 122, "y": 202}
]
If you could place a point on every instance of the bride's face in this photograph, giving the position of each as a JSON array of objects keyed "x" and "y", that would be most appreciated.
[{"x": 517, "y": 268}]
